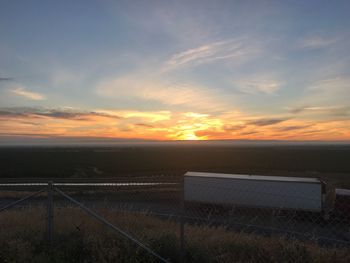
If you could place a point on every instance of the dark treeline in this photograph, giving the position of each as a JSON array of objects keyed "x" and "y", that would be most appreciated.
[{"x": 109, "y": 161}]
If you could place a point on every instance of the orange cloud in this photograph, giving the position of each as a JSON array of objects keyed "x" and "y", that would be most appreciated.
[{"x": 165, "y": 125}]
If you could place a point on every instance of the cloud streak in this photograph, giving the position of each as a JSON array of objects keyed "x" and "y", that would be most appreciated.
[
  {"x": 23, "y": 92},
  {"x": 23, "y": 112},
  {"x": 238, "y": 50},
  {"x": 258, "y": 85},
  {"x": 266, "y": 122},
  {"x": 144, "y": 125},
  {"x": 165, "y": 92},
  {"x": 5, "y": 79},
  {"x": 335, "y": 111},
  {"x": 293, "y": 128},
  {"x": 316, "y": 42}
]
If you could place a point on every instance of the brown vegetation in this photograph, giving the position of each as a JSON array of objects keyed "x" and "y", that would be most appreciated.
[{"x": 79, "y": 238}]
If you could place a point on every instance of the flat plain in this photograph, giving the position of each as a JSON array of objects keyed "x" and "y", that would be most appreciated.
[{"x": 328, "y": 162}]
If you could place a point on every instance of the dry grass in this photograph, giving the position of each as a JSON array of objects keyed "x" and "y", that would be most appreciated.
[{"x": 79, "y": 238}]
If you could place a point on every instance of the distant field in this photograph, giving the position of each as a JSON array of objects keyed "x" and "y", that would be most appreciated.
[{"x": 329, "y": 162}]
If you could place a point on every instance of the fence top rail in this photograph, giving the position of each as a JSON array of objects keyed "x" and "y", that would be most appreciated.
[
  {"x": 120, "y": 184},
  {"x": 160, "y": 179}
]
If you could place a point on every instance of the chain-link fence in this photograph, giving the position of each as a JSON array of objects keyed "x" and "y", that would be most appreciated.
[
  {"x": 243, "y": 218},
  {"x": 178, "y": 218}
]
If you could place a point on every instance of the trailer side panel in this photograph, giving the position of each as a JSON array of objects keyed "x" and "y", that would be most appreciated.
[{"x": 255, "y": 193}]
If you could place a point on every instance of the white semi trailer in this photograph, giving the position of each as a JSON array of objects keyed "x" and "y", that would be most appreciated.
[{"x": 274, "y": 192}]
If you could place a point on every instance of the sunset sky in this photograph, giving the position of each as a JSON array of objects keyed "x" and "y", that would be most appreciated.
[{"x": 175, "y": 70}]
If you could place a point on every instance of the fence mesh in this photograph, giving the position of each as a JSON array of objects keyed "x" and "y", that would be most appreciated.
[{"x": 227, "y": 222}]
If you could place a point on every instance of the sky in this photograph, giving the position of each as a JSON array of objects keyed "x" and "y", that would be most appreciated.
[{"x": 175, "y": 70}]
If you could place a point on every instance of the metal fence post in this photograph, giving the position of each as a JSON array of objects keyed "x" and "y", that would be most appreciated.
[
  {"x": 182, "y": 223},
  {"x": 50, "y": 212}
]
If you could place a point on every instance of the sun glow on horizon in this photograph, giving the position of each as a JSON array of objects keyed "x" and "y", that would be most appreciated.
[
  {"x": 165, "y": 125},
  {"x": 190, "y": 136}
]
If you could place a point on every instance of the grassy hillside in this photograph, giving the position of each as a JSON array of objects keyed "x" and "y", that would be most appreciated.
[{"x": 79, "y": 238}]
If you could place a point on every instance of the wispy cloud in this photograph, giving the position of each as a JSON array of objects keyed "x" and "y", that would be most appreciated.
[
  {"x": 23, "y": 92},
  {"x": 32, "y": 112},
  {"x": 332, "y": 91},
  {"x": 328, "y": 110},
  {"x": 144, "y": 125},
  {"x": 165, "y": 92},
  {"x": 258, "y": 85},
  {"x": 230, "y": 127},
  {"x": 135, "y": 115},
  {"x": 301, "y": 109},
  {"x": 266, "y": 121},
  {"x": 80, "y": 123},
  {"x": 315, "y": 42},
  {"x": 195, "y": 54},
  {"x": 293, "y": 128},
  {"x": 324, "y": 98},
  {"x": 238, "y": 50},
  {"x": 5, "y": 79},
  {"x": 335, "y": 83}
]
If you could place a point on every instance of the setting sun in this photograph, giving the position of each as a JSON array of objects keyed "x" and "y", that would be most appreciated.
[{"x": 190, "y": 137}]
